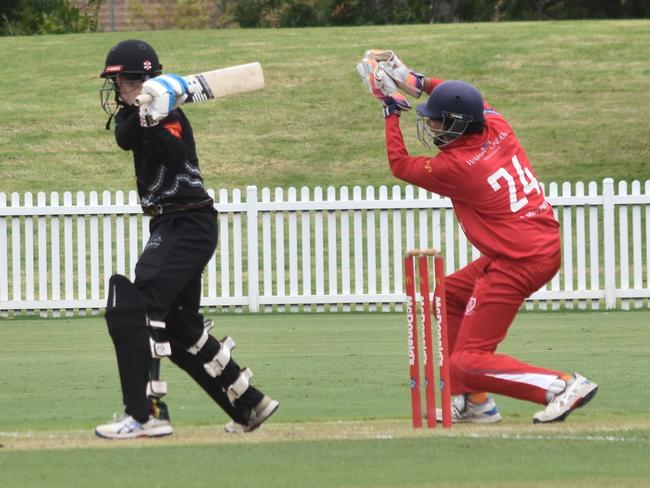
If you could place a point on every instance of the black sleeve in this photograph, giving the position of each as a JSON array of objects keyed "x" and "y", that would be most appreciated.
[{"x": 127, "y": 128}]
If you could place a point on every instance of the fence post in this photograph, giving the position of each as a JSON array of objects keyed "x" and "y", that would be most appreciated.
[
  {"x": 252, "y": 249},
  {"x": 16, "y": 259},
  {"x": 609, "y": 240},
  {"x": 4, "y": 256}
]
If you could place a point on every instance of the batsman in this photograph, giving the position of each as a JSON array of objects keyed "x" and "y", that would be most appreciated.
[
  {"x": 158, "y": 315},
  {"x": 482, "y": 167}
]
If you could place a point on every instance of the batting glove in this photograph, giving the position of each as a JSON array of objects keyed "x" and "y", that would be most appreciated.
[
  {"x": 167, "y": 91},
  {"x": 381, "y": 86}
]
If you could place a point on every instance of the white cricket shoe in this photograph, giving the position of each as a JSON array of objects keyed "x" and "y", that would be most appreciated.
[
  {"x": 126, "y": 427},
  {"x": 262, "y": 411},
  {"x": 465, "y": 411},
  {"x": 578, "y": 392}
]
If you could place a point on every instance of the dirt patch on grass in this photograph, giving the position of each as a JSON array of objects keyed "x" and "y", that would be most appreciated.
[{"x": 636, "y": 430}]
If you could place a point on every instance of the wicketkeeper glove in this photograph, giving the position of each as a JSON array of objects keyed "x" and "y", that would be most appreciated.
[
  {"x": 381, "y": 86},
  {"x": 407, "y": 80},
  {"x": 168, "y": 92}
]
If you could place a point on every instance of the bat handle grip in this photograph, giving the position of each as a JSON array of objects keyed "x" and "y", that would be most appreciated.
[{"x": 142, "y": 99}]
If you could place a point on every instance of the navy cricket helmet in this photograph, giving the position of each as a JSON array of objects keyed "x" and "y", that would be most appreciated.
[{"x": 458, "y": 105}]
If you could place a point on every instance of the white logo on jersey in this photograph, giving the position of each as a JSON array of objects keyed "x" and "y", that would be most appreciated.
[
  {"x": 487, "y": 147},
  {"x": 471, "y": 305}
]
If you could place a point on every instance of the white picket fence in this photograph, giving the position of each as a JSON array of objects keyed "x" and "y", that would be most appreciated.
[{"x": 324, "y": 250}]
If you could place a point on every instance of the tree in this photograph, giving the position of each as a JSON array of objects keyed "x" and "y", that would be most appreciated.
[{"x": 25, "y": 17}]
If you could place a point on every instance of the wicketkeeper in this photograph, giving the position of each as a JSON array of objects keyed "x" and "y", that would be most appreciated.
[
  {"x": 158, "y": 314},
  {"x": 484, "y": 170}
]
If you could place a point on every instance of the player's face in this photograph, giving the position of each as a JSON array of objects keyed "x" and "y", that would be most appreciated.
[
  {"x": 434, "y": 125},
  {"x": 428, "y": 131},
  {"x": 129, "y": 89},
  {"x": 438, "y": 133}
]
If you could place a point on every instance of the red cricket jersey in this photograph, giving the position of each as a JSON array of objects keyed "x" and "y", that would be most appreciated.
[{"x": 495, "y": 193}]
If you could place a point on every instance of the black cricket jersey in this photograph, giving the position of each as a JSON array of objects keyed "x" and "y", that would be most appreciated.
[{"x": 166, "y": 166}]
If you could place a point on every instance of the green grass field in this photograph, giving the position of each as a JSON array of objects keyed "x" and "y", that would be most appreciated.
[
  {"x": 574, "y": 92},
  {"x": 344, "y": 416}
]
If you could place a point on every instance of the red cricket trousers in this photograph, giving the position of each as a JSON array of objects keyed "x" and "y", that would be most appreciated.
[{"x": 482, "y": 301}]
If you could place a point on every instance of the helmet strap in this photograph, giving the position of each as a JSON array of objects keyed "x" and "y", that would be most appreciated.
[{"x": 108, "y": 122}]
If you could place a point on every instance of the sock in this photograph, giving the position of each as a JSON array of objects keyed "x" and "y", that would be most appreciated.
[
  {"x": 566, "y": 377},
  {"x": 481, "y": 397}
]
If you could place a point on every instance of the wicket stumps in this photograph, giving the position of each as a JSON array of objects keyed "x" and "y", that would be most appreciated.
[{"x": 422, "y": 256}]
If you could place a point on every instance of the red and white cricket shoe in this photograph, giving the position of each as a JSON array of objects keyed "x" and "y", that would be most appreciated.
[{"x": 577, "y": 393}]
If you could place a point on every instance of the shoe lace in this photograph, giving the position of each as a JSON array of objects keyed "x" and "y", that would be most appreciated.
[
  {"x": 562, "y": 400},
  {"x": 457, "y": 413},
  {"x": 458, "y": 407}
]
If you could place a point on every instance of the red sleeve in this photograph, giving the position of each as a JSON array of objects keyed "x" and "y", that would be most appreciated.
[
  {"x": 435, "y": 174},
  {"x": 430, "y": 84}
]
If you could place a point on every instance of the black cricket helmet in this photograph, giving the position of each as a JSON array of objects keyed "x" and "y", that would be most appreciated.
[
  {"x": 132, "y": 59},
  {"x": 458, "y": 105}
]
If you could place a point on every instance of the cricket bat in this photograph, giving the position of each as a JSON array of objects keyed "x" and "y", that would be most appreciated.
[{"x": 219, "y": 83}]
